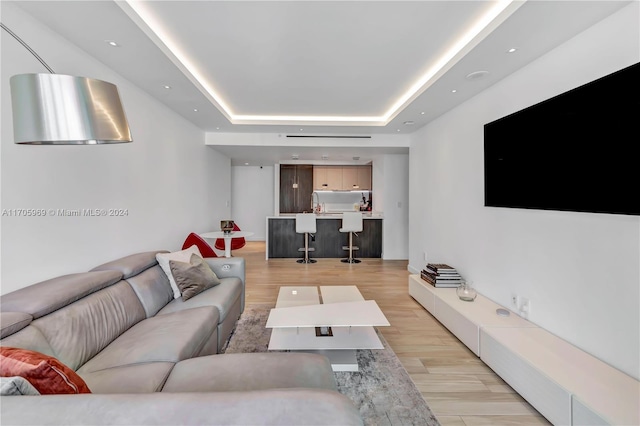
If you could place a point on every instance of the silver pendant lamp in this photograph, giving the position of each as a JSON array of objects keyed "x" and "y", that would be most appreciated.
[{"x": 56, "y": 109}]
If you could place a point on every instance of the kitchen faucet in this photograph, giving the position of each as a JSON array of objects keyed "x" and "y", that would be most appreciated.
[{"x": 315, "y": 205}]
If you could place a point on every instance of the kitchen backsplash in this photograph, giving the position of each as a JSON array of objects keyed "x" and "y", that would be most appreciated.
[{"x": 341, "y": 201}]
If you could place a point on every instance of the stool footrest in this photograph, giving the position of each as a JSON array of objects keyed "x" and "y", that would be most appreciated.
[
  {"x": 353, "y": 248},
  {"x": 310, "y": 249}
]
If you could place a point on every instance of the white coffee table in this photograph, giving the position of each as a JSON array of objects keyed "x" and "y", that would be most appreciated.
[{"x": 299, "y": 312}]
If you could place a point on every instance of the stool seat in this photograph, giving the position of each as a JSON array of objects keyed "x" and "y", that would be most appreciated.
[
  {"x": 351, "y": 223},
  {"x": 306, "y": 224}
]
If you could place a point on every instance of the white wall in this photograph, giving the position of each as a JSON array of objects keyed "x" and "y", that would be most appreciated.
[
  {"x": 581, "y": 271},
  {"x": 390, "y": 178},
  {"x": 167, "y": 179},
  {"x": 252, "y": 194}
]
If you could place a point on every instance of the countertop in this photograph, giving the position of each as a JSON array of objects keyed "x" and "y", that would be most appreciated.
[{"x": 365, "y": 215}]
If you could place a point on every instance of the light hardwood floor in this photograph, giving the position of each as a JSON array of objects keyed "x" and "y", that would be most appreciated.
[{"x": 459, "y": 387}]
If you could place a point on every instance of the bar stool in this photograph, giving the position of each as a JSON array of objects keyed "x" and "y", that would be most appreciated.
[
  {"x": 351, "y": 223},
  {"x": 306, "y": 224}
]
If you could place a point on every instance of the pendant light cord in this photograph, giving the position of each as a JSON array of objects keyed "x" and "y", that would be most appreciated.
[{"x": 22, "y": 42}]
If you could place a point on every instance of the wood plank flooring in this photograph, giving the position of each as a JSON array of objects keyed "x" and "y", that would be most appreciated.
[{"x": 460, "y": 389}]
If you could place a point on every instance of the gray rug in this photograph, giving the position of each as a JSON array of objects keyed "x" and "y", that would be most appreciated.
[{"x": 382, "y": 389}]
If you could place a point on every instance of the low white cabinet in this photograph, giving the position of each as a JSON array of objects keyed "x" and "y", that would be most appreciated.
[
  {"x": 565, "y": 384},
  {"x": 463, "y": 319}
]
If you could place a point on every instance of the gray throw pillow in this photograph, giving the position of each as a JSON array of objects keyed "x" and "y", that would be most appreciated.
[
  {"x": 16, "y": 385},
  {"x": 193, "y": 277}
]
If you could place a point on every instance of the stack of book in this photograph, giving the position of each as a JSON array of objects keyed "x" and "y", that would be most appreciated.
[{"x": 441, "y": 275}]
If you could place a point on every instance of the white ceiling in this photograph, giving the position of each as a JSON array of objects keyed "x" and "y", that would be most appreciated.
[{"x": 234, "y": 59}]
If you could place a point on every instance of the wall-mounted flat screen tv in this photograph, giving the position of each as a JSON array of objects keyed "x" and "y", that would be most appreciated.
[{"x": 577, "y": 151}]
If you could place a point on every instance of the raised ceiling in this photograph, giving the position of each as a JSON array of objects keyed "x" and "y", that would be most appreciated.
[{"x": 315, "y": 67}]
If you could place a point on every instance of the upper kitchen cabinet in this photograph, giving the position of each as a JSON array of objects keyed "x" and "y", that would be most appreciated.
[
  {"x": 296, "y": 186},
  {"x": 364, "y": 177},
  {"x": 328, "y": 178},
  {"x": 350, "y": 177},
  {"x": 320, "y": 178},
  {"x": 341, "y": 178}
]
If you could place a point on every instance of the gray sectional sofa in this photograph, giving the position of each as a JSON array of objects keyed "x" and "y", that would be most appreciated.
[{"x": 151, "y": 359}]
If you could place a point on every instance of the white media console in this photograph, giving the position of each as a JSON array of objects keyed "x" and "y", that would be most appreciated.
[{"x": 565, "y": 384}]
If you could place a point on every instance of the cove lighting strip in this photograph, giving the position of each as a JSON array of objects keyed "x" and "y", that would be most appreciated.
[{"x": 144, "y": 18}]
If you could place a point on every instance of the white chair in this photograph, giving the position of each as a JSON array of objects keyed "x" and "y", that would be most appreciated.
[
  {"x": 306, "y": 224},
  {"x": 351, "y": 223}
]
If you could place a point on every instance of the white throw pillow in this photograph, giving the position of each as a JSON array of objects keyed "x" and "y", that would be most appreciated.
[{"x": 180, "y": 256}]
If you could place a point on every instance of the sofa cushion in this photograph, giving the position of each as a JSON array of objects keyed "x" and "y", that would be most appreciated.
[
  {"x": 193, "y": 277},
  {"x": 146, "y": 277},
  {"x": 131, "y": 265},
  {"x": 31, "y": 338},
  {"x": 180, "y": 256},
  {"x": 152, "y": 288},
  {"x": 45, "y": 373},
  {"x": 223, "y": 296},
  {"x": 251, "y": 371},
  {"x": 47, "y": 296},
  {"x": 79, "y": 331},
  {"x": 10, "y": 322},
  {"x": 271, "y": 407},
  {"x": 169, "y": 338},
  {"x": 136, "y": 378},
  {"x": 16, "y": 385}
]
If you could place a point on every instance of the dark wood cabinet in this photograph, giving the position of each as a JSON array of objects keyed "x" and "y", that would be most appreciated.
[
  {"x": 284, "y": 241},
  {"x": 295, "y": 200}
]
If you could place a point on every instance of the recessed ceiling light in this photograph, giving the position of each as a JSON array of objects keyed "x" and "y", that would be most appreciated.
[
  {"x": 167, "y": 87},
  {"x": 246, "y": 164},
  {"x": 195, "y": 110},
  {"x": 422, "y": 113},
  {"x": 112, "y": 43},
  {"x": 454, "y": 91},
  {"x": 408, "y": 123},
  {"x": 476, "y": 75},
  {"x": 300, "y": 129},
  {"x": 217, "y": 128},
  {"x": 513, "y": 49},
  {"x": 398, "y": 130}
]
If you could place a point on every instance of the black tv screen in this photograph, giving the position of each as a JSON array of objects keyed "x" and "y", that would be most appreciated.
[{"x": 577, "y": 151}]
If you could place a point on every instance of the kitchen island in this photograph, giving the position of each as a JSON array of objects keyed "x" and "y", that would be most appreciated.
[{"x": 283, "y": 241}]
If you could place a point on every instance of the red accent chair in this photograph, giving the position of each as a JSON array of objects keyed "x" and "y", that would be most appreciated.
[
  {"x": 203, "y": 246},
  {"x": 236, "y": 243}
]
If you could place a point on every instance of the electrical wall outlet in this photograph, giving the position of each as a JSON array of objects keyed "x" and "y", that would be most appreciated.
[
  {"x": 515, "y": 301},
  {"x": 524, "y": 307}
]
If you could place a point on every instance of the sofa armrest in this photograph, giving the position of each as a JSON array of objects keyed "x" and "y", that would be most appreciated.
[
  {"x": 225, "y": 267},
  {"x": 270, "y": 407}
]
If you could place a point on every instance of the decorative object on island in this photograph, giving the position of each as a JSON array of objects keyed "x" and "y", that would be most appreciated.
[
  {"x": 466, "y": 292},
  {"x": 56, "y": 109},
  {"x": 226, "y": 226},
  {"x": 441, "y": 275}
]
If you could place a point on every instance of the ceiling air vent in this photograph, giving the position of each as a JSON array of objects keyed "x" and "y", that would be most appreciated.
[{"x": 329, "y": 136}]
